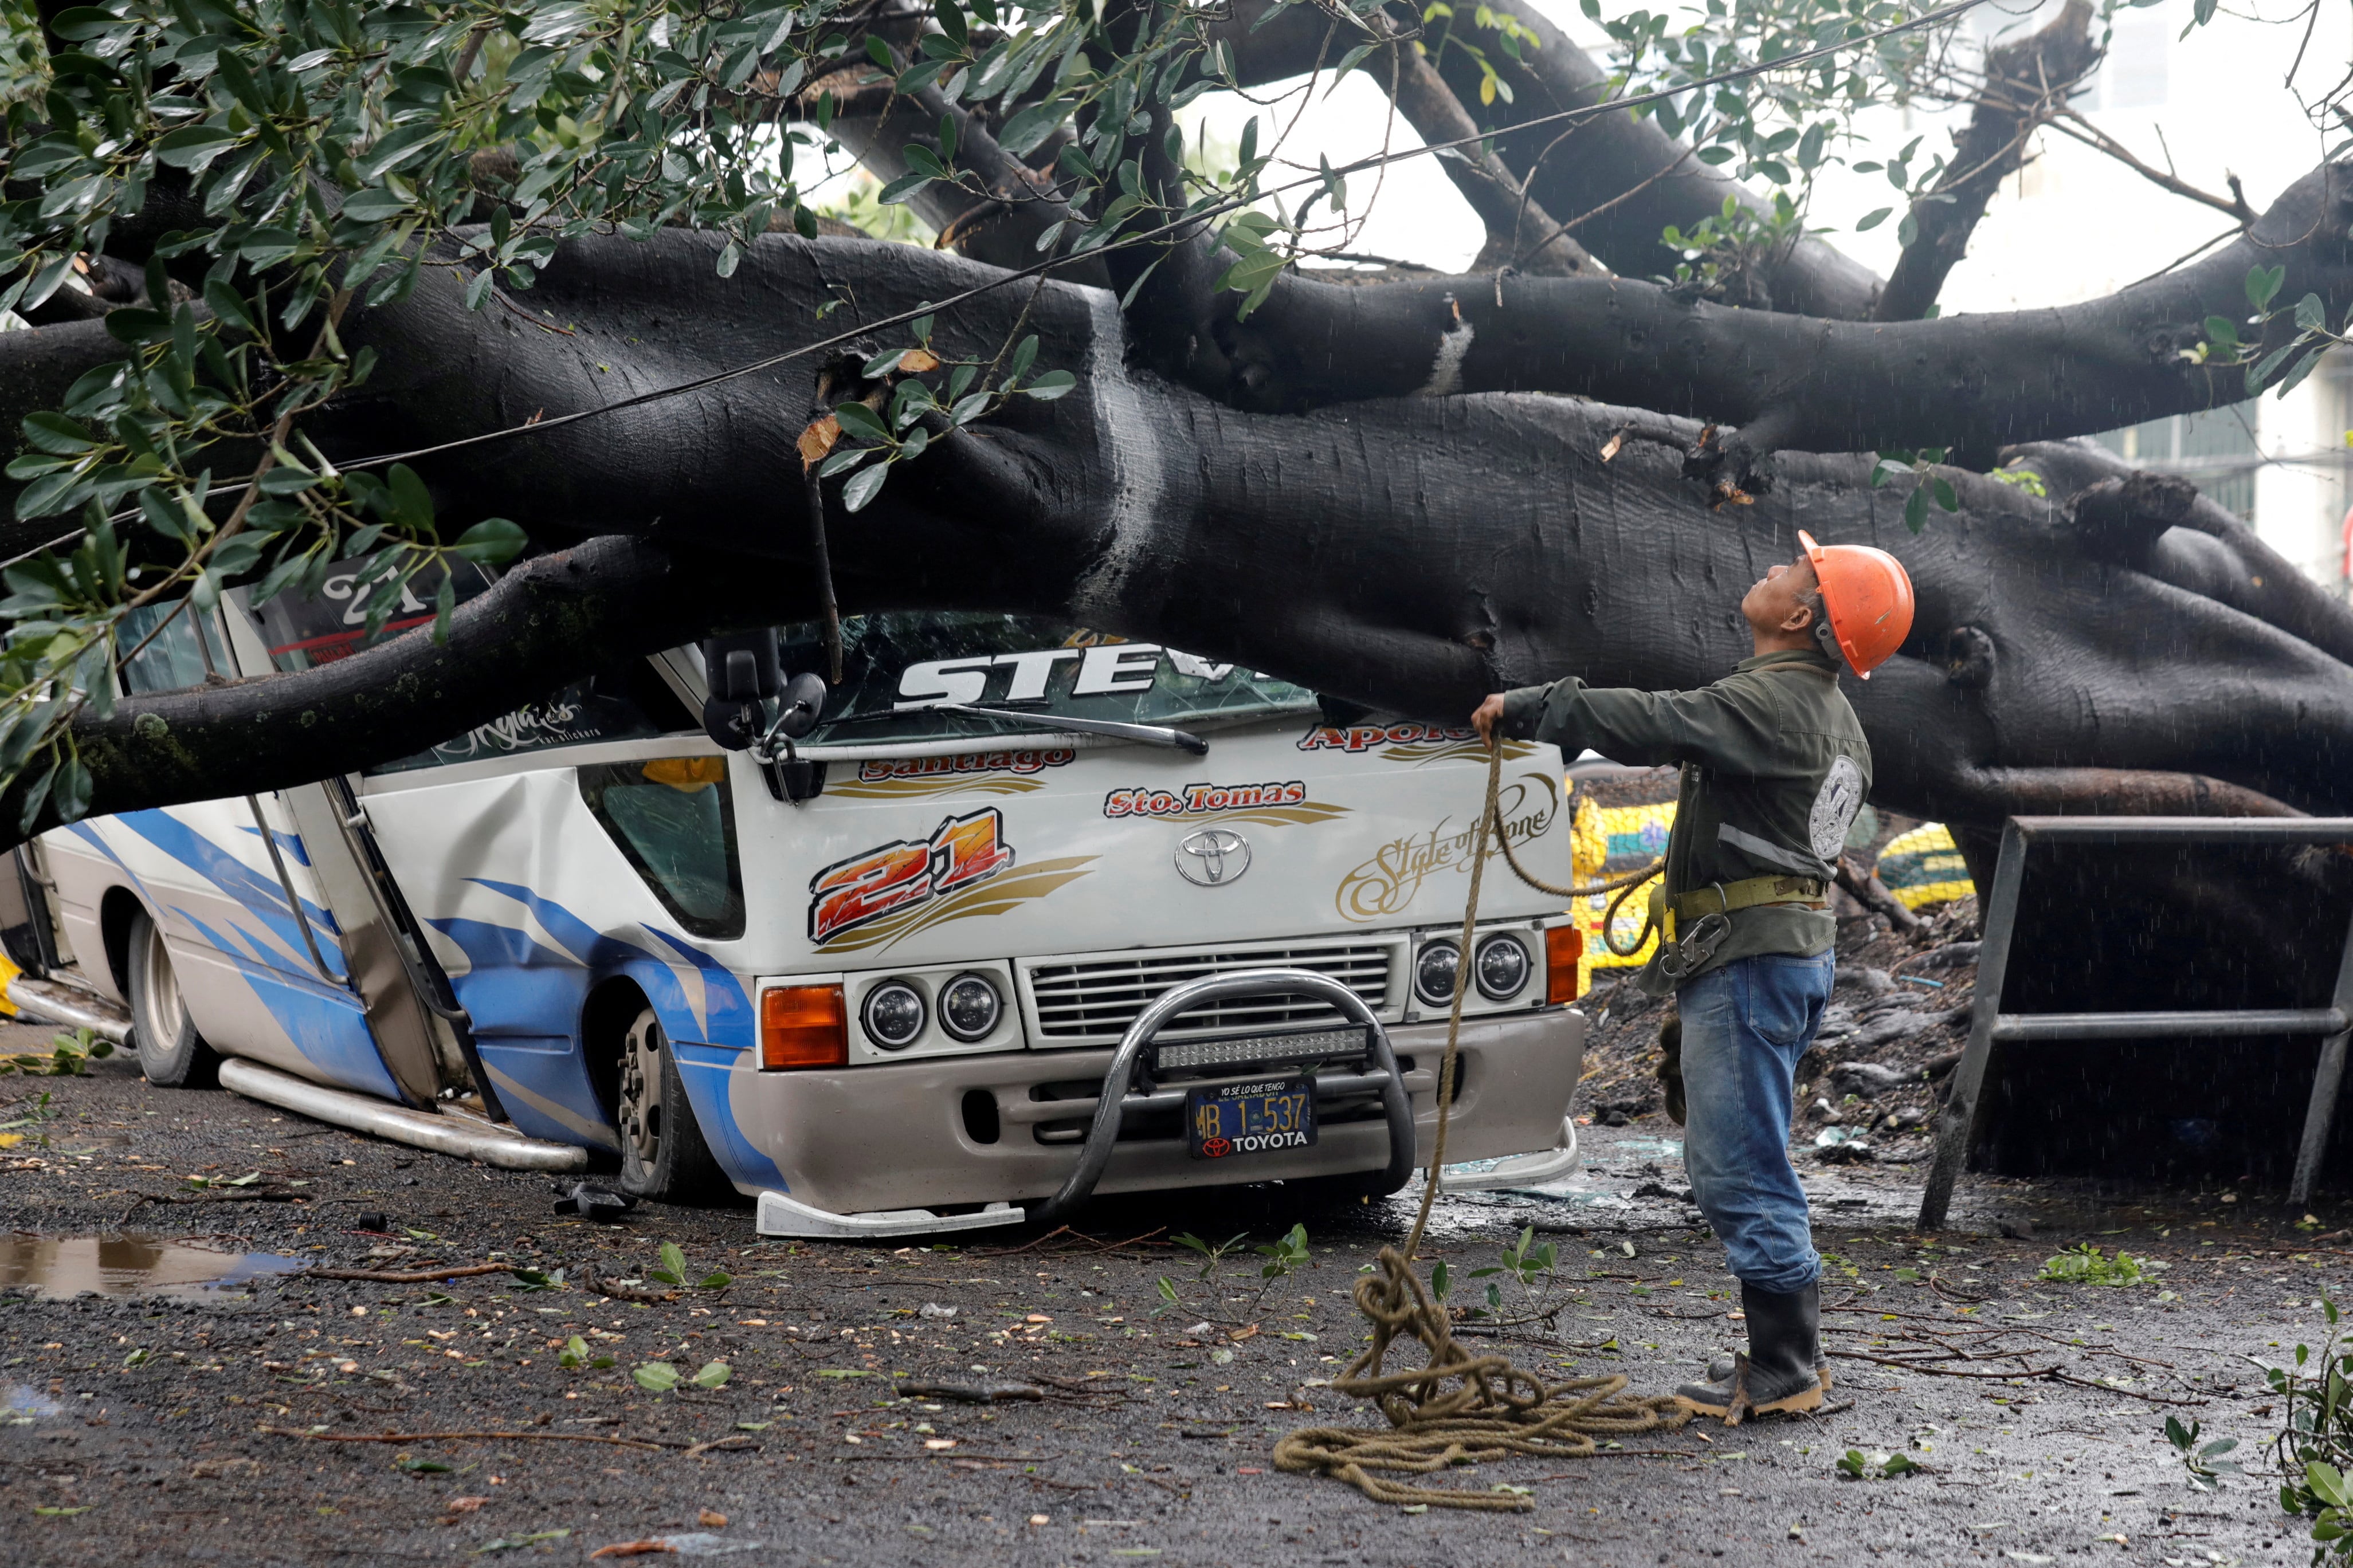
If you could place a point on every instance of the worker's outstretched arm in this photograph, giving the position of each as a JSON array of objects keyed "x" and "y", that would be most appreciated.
[{"x": 1729, "y": 725}]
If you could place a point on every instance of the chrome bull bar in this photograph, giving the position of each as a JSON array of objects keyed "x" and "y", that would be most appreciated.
[{"x": 1127, "y": 1089}]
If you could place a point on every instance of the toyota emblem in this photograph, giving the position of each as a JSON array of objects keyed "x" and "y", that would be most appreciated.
[{"x": 1213, "y": 857}]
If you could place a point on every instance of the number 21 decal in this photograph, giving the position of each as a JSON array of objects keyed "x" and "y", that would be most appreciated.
[{"x": 962, "y": 851}]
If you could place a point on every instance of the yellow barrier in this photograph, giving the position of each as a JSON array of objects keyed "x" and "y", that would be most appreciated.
[{"x": 1920, "y": 868}]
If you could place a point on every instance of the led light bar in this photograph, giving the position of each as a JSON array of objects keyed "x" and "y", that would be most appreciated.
[{"x": 1308, "y": 1045}]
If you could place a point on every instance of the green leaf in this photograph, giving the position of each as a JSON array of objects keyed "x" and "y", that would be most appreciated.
[
  {"x": 2263, "y": 283},
  {"x": 656, "y": 1376},
  {"x": 1052, "y": 385},
  {"x": 862, "y": 422},
  {"x": 2304, "y": 367},
  {"x": 575, "y": 1352},
  {"x": 1873, "y": 219},
  {"x": 373, "y": 205},
  {"x": 70, "y": 793},
  {"x": 673, "y": 1260},
  {"x": 863, "y": 485},
  {"x": 56, "y": 433},
  {"x": 2222, "y": 331},
  {"x": 714, "y": 1374},
  {"x": 2311, "y": 315},
  {"x": 1915, "y": 509},
  {"x": 417, "y": 1466},
  {"x": 398, "y": 148},
  {"x": 193, "y": 146},
  {"x": 1026, "y": 129},
  {"x": 1253, "y": 271}
]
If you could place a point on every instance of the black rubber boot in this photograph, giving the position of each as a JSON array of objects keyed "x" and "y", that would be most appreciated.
[
  {"x": 1779, "y": 1372},
  {"x": 1720, "y": 1370}
]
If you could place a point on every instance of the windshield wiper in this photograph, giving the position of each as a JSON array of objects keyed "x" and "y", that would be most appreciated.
[{"x": 1142, "y": 734}]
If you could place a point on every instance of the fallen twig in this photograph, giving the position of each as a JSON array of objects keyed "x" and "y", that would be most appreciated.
[
  {"x": 734, "y": 1441},
  {"x": 2111, "y": 1388},
  {"x": 1013, "y": 1251},
  {"x": 1945, "y": 1371},
  {"x": 407, "y": 1277},
  {"x": 1940, "y": 1371},
  {"x": 469, "y": 1437},
  {"x": 970, "y": 1392}
]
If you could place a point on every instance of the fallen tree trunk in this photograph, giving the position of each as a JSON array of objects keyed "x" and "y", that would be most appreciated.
[{"x": 1408, "y": 553}]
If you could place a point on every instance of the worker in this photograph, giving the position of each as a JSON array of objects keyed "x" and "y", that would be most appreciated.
[{"x": 1775, "y": 768}]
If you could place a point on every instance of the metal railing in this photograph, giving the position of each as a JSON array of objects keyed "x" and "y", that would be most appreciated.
[{"x": 1956, "y": 1125}]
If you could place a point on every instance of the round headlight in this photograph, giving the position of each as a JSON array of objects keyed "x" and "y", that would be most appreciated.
[
  {"x": 1502, "y": 968},
  {"x": 1434, "y": 972},
  {"x": 969, "y": 1007},
  {"x": 893, "y": 1014}
]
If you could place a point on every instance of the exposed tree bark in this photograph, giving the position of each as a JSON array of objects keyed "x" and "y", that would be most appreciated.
[
  {"x": 2026, "y": 82},
  {"x": 1376, "y": 551}
]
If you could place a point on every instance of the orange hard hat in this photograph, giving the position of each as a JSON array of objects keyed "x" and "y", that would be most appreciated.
[{"x": 1868, "y": 596}]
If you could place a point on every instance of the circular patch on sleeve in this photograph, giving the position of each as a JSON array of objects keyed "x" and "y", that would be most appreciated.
[{"x": 1835, "y": 807}]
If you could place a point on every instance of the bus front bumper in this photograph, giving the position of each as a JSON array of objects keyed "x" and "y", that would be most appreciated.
[{"x": 900, "y": 1149}]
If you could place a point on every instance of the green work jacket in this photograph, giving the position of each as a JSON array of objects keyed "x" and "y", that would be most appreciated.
[{"x": 1775, "y": 768}]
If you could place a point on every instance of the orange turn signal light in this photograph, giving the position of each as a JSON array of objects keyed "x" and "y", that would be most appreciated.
[
  {"x": 803, "y": 1027},
  {"x": 1563, "y": 954}
]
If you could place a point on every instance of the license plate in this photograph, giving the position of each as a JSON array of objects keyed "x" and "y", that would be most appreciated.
[{"x": 1256, "y": 1118}]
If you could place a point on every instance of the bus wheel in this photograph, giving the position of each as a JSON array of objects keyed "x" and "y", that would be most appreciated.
[
  {"x": 170, "y": 1052},
  {"x": 663, "y": 1155}
]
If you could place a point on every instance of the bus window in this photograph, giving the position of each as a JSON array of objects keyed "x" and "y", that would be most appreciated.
[
  {"x": 171, "y": 660},
  {"x": 671, "y": 820}
]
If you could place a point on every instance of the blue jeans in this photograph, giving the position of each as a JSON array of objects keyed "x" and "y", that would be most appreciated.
[{"x": 1745, "y": 1026}]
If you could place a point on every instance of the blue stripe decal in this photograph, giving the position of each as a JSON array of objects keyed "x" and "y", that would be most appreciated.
[
  {"x": 328, "y": 1026},
  {"x": 261, "y": 897},
  {"x": 517, "y": 989},
  {"x": 292, "y": 843},
  {"x": 705, "y": 1069}
]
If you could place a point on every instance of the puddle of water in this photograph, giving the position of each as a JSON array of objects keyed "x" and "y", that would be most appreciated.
[
  {"x": 21, "y": 1405},
  {"x": 59, "y": 1267}
]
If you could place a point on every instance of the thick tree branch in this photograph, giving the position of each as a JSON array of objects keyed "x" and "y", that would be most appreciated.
[
  {"x": 2026, "y": 82},
  {"x": 548, "y": 622},
  {"x": 1973, "y": 383}
]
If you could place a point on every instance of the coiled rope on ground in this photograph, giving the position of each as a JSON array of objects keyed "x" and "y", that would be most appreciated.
[{"x": 1458, "y": 1407}]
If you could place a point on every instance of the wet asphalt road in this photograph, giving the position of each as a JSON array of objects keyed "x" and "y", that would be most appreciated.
[{"x": 213, "y": 1426}]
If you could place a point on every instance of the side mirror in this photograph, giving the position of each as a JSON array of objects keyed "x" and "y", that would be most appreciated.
[
  {"x": 804, "y": 705},
  {"x": 740, "y": 670}
]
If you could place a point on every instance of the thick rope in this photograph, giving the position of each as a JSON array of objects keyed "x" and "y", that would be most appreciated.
[
  {"x": 1457, "y": 1408},
  {"x": 1622, "y": 886}
]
